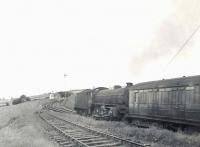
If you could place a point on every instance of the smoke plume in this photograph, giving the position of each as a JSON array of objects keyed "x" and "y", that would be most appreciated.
[{"x": 171, "y": 34}]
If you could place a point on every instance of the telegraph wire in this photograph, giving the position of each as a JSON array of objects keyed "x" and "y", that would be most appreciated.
[{"x": 184, "y": 44}]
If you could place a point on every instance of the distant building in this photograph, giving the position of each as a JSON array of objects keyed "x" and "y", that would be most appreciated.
[
  {"x": 56, "y": 96},
  {"x": 51, "y": 96}
]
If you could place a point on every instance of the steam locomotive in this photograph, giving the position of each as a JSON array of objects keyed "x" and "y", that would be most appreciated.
[
  {"x": 101, "y": 102},
  {"x": 173, "y": 101}
]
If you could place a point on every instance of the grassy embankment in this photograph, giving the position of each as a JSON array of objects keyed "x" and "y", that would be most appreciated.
[
  {"x": 155, "y": 136},
  {"x": 20, "y": 127}
]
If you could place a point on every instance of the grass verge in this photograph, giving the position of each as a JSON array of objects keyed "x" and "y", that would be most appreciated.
[
  {"x": 155, "y": 136},
  {"x": 20, "y": 127}
]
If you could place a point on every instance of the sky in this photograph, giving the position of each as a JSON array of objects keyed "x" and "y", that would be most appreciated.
[{"x": 96, "y": 43}]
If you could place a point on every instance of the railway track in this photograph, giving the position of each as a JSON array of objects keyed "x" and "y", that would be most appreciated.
[
  {"x": 65, "y": 110},
  {"x": 52, "y": 106},
  {"x": 61, "y": 109},
  {"x": 71, "y": 134}
]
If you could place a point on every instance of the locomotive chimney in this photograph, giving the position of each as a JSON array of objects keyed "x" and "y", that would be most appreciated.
[{"x": 128, "y": 84}]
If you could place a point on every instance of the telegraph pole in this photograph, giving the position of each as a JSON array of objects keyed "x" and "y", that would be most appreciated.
[{"x": 65, "y": 75}]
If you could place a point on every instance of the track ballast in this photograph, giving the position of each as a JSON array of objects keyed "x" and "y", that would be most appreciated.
[{"x": 71, "y": 134}]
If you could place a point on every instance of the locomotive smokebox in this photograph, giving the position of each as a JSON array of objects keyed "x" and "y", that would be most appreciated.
[{"x": 129, "y": 84}]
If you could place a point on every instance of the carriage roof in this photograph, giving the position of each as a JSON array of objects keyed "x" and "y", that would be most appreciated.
[{"x": 175, "y": 82}]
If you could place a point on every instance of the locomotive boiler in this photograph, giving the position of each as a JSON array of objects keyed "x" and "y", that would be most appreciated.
[{"x": 111, "y": 103}]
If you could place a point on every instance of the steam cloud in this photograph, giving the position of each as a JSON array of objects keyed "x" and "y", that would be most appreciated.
[{"x": 171, "y": 34}]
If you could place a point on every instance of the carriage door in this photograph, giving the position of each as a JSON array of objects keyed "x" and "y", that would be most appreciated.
[
  {"x": 180, "y": 103},
  {"x": 136, "y": 102},
  {"x": 133, "y": 101}
]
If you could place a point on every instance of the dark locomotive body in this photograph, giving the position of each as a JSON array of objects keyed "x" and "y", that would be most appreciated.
[
  {"x": 111, "y": 103},
  {"x": 100, "y": 102},
  {"x": 84, "y": 101},
  {"x": 174, "y": 100}
]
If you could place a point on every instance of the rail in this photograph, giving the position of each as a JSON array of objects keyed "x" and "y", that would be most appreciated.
[{"x": 124, "y": 141}]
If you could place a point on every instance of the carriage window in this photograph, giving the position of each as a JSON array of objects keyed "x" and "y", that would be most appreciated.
[
  {"x": 189, "y": 88},
  {"x": 168, "y": 89},
  {"x": 148, "y": 90},
  {"x": 161, "y": 89},
  {"x": 181, "y": 88}
]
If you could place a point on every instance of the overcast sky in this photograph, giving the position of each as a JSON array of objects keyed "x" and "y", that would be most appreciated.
[{"x": 96, "y": 43}]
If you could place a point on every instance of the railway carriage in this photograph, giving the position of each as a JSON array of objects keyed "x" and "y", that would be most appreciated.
[{"x": 174, "y": 100}]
